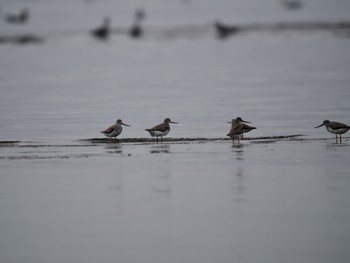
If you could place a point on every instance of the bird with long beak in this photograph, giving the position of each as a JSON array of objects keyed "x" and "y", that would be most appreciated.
[
  {"x": 161, "y": 130},
  {"x": 336, "y": 128},
  {"x": 114, "y": 130},
  {"x": 246, "y": 127},
  {"x": 237, "y": 129}
]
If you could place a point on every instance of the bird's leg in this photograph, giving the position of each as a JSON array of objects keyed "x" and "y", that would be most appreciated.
[{"x": 340, "y": 138}]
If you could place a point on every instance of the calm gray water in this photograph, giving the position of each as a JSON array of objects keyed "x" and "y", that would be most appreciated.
[{"x": 63, "y": 200}]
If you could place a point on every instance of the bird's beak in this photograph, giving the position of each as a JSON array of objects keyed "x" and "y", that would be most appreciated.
[
  {"x": 229, "y": 122},
  {"x": 174, "y": 122},
  {"x": 319, "y": 126},
  {"x": 245, "y": 121},
  {"x": 126, "y": 125}
]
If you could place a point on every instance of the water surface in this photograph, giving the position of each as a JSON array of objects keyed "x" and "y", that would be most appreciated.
[{"x": 64, "y": 198}]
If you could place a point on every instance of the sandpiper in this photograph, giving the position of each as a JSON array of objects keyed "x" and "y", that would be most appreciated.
[
  {"x": 246, "y": 127},
  {"x": 114, "y": 130},
  {"x": 161, "y": 129},
  {"x": 238, "y": 128},
  {"x": 336, "y": 128}
]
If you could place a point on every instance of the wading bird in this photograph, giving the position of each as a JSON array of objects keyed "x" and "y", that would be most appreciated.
[
  {"x": 246, "y": 127},
  {"x": 336, "y": 128},
  {"x": 161, "y": 130},
  {"x": 237, "y": 130},
  {"x": 114, "y": 130}
]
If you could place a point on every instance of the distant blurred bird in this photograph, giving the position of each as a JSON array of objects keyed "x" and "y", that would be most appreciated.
[
  {"x": 292, "y": 4},
  {"x": 223, "y": 30},
  {"x": 102, "y": 32},
  {"x": 136, "y": 31},
  {"x": 140, "y": 14},
  {"x": 20, "y": 18},
  {"x": 336, "y": 128},
  {"x": 114, "y": 130}
]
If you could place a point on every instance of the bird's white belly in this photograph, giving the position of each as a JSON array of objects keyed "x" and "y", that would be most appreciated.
[
  {"x": 112, "y": 134},
  {"x": 337, "y": 131},
  {"x": 159, "y": 133}
]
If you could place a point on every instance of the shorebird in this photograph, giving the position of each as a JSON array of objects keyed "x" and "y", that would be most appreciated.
[
  {"x": 161, "y": 129},
  {"x": 336, "y": 128},
  {"x": 114, "y": 130},
  {"x": 246, "y": 127},
  {"x": 20, "y": 18},
  {"x": 102, "y": 32},
  {"x": 237, "y": 129}
]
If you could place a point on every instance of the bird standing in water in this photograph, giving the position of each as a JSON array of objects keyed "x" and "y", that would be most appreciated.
[
  {"x": 161, "y": 130},
  {"x": 336, "y": 128},
  {"x": 114, "y": 130},
  {"x": 237, "y": 129},
  {"x": 246, "y": 127}
]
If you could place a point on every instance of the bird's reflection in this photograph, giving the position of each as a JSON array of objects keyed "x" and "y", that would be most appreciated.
[
  {"x": 161, "y": 148},
  {"x": 116, "y": 187},
  {"x": 239, "y": 208},
  {"x": 114, "y": 148},
  {"x": 161, "y": 188},
  {"x": 238, "y": 149},
  {"x": 335, "y": 145},
  {"x": 238, "y": 185}
]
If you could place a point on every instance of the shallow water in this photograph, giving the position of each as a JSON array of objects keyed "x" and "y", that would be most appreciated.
[
  {"x": 190, "y": 202},
  {"x": 66, "y": 198}
]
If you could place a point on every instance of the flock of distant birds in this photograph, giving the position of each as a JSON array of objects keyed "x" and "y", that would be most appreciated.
[
  {"x": 238, "y": 128},
  {"x": 136, "y": 30},
  {"x": 21, "y": 18},
  {"x": 102, "y": 32}
]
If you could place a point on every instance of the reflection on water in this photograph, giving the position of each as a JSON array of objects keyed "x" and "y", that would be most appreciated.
[
  {"x": 161, "y": 188},
  {"x": 160, "y": 148},
  {"x": 239, "y": 206},
  {"x": 336, "y": 145},
  {"x": 238, "y": 149},
  {"x": 114, "y": 148},
  {"x": 118, "y": 188},
  {"x": 238, "y": 187}
]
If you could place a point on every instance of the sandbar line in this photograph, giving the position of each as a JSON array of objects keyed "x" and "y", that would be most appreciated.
[
  {"x": 18, "y": 143},
  {"x": 90, "y": 142}
]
